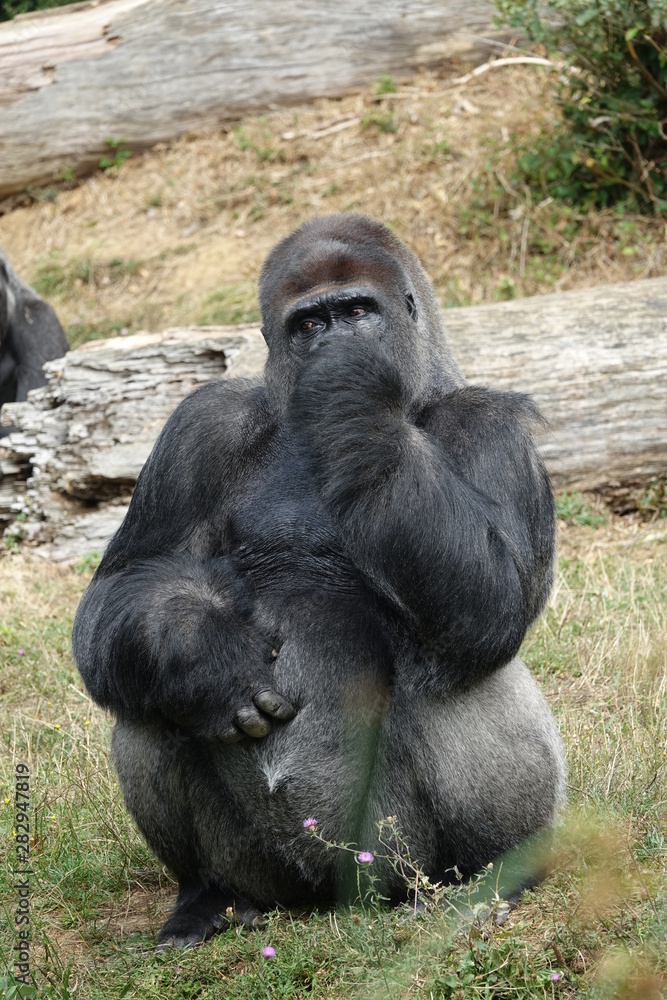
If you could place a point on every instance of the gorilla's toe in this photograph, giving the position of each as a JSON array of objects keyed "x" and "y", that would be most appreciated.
[
  {"x": 202, "y": 911},
  {"x": 180, "y": 941}
]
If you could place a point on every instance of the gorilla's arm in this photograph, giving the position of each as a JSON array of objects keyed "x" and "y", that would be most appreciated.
[
  {"x": 448, "y": 513},
  {"x": 165, "y": 627},
  {"x": 35, "y": 336}
]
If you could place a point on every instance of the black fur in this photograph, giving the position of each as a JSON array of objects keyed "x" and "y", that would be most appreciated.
[
  {"x": 314, "y": 605},
  {"x": 30, "y": 334}
]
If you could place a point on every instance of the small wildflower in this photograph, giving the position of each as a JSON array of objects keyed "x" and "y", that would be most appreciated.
[
  {"x": 268, "y": 951},
  {"x": 365, "y": 857},
  {"x": 53, "y": 815},
  {"x": 21, "y": 652},
  {"x": 87, "y": 722},
  {"x": 7, "y": 800},
  {"x": 555, "y": 977},
  {"x": 57, "y": 725},
  {"x": 310, "y": 823}
]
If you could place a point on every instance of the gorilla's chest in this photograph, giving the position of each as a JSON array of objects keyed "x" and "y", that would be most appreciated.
[{"x": 282, "y": 533}]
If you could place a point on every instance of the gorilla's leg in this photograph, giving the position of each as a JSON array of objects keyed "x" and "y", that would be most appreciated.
[
  {"x": 164, "y": 776},
  {"x": 476, "y": 776}
]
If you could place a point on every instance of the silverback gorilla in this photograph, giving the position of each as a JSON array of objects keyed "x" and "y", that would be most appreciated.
[
  {"x": 315, "y": 602},
  {"x": 30, "y": 334}
]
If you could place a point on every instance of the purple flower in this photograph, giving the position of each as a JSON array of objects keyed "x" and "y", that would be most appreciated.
[
  {"x": 269, "y": 952},
  {"x": 310, "y": 823},
  {"x": 21, "y": 652},
  {"x": 365, "y": 857},
  {"x": 555, "y": 977}
]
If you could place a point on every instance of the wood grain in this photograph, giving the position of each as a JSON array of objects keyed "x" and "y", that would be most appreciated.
[{"x": 149, "y": 70}]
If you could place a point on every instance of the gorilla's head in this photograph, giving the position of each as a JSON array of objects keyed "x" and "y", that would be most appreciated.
[{"x": 343, "y": 276}]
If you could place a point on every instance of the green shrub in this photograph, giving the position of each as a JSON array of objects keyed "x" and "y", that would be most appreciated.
[
  {"x": 571, "y": 508},
  {"x": 120, "y": 154},
  {"x": 611, "y": 147},
  {"x": 10, "y": 8}
]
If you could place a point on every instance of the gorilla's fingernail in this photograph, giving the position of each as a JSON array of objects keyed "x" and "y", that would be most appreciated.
[
  {"x": 273, "y": 704},
  {"x": 267, "y": 700},
  {"x": 252, "y": 723},
  {"x": 284, "y": 712}
]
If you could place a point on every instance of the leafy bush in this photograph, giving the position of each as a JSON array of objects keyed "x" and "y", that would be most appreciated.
[
  {"x": 571, "y": 508},
  {"x": 10, "y": 8},
  {"x": 612, "y": 145}
]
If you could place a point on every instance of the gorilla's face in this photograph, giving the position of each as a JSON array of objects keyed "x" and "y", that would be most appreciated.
[
  {"x": 330, "y": 313},
  {"x": 348, "y": 276}
]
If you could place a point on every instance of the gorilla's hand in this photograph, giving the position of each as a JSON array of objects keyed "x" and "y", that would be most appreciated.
[
  {"x": 212, "y": 659},
  {"x": 348, "y": 381},
  {"x": 258, "y": 704},
  {"x": 177, "y": 638},
  {"x": 222, "y": 686}
]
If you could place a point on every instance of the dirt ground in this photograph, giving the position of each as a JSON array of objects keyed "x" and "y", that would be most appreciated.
[{"x": 177, "y": 236}]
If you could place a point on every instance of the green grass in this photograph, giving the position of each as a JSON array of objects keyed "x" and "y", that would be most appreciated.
[
  {"x": 81, "y": 333},
  {"x": 573, "y": 509},
  {"x": 55, "y": 277},
  {"x": 598, "y": 923},
  {"x": 234, "y": 302}
]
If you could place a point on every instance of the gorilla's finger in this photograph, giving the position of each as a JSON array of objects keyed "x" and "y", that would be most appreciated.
[
  {"x": 274, "y": 704},
  {"x": 230, "y": 735},
  {"x": 251, "y": 722}
]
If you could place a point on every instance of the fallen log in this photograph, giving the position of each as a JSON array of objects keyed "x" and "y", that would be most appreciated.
[
  {"x": 595, "y": 361},
  {"x": 146, "y": 71}
]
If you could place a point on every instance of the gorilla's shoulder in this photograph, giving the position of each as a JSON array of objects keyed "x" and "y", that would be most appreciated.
[
  {"x": 236, "y": 407},
  {"x": 480, "y": 406},
  {"x": 221, "y": 420},
  {"x": 227, "y": 397}
]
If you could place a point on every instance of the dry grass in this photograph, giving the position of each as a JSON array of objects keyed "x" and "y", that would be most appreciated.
[
  {"x": 178, "y": 235},
  {"x": 598, "y": 921}
]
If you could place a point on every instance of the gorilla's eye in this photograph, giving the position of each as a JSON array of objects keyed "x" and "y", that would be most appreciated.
[
  {"x": 307, "y": 325},
  {"x": 357, "y": 311}
]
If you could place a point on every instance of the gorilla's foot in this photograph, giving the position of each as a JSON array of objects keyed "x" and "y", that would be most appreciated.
[{"x": 202, "y": 911}]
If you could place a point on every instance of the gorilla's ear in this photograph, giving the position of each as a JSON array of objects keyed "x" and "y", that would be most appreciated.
[{"x": 410, "y": 302}]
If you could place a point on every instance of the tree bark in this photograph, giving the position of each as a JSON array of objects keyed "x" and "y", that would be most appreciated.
[
  {"x": 594, "y": 360},
  {"x": 146, "y": 71}
]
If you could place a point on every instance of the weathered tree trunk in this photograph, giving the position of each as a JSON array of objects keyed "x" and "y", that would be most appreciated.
[
  {"x": 150, "y": 70},
  {"x": 595, "y": 361},
  {"x": 86, "y": 434}
]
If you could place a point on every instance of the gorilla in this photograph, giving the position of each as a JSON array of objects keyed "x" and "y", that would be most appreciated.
[
  {"x": 30, "y": 334},
  {"x": 314, "y": 604}
]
